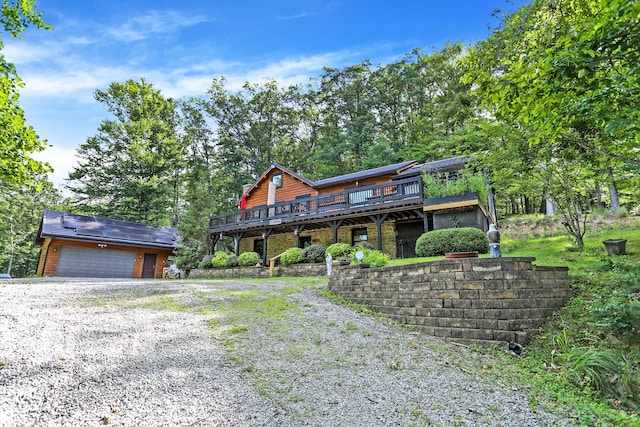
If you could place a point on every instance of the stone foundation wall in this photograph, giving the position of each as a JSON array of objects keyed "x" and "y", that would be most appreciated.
[
  {"x": 296, "y": 270},
  {"x": 482, "y": 300},
  {"x": 278, "y": 243}
]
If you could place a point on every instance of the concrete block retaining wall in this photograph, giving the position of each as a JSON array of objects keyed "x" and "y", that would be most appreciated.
[{"x": 482, "y": 300}]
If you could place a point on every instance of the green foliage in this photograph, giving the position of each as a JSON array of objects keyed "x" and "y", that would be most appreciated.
[
  {"x": 339, "y": 250},
  {"x": 373, "y": 257},
  {"x": 232, "y": 261},
  {"x": 199, "y": 182},
  {"x": 21, "y": 210},
  {"x": 363, "y": 246},
  {"x": 446, "y": 185},
  {"x": 130, "y": 170},
  {"x": 553, "y": 66},
  {"x": 206, "y": 261},
  {"x": 249, "y": 259},
  {"x": 619, "y": 309},
  {"x": 597, "y": 368},
  {"x": 220, "y": 259},
  {"x": 439, "y": 242},
  {"x": 17, "y": 140},
  {"x": 314, "y": 253},
  {"x": 291, "y": 256}
]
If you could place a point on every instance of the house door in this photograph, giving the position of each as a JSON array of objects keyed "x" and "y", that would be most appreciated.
[
  {"x": 408, "y": 233},
  {"x": 149, "y": 266}
]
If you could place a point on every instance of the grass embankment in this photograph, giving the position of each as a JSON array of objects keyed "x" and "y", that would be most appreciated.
[{"x": 587, "y": 357}]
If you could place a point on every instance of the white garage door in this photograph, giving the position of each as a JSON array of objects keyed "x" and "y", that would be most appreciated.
[{"x": 87, "y": 262}]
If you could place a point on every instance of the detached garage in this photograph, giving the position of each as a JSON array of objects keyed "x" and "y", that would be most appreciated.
[{"x": 87, "y": 246}]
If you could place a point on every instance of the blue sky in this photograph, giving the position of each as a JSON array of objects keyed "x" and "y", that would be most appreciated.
[{"x": 180, "y": 46}]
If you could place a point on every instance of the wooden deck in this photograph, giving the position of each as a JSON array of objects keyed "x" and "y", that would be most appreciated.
[{"x": 395, "y": 196}]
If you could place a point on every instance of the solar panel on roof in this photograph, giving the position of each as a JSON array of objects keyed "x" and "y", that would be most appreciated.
[{"x": 112, "y": 229}]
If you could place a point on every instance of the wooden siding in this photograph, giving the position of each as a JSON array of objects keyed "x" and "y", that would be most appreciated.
[
  {"x": 382, "y": 179},
  {"x": 291, "y": 188},
  {"x": 52, "y": 256}
]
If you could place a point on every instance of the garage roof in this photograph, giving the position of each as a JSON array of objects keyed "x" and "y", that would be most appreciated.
[{"x": 96, "y": 229}]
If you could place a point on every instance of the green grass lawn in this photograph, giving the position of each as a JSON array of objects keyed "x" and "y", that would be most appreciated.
[{"x": 587, "y": 357}]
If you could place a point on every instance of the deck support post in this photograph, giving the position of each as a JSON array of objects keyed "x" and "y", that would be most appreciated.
[
  {"x": 378, "y": 220},
  {"x": 265, "y": 236},
  {"x": 215, "y": 237},
  {"x": 236, "y": 242},
  {"x": 297, "y": 230},
  {"x": 334, "y": 226}
]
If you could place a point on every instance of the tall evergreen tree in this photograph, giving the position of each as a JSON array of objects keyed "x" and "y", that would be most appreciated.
[{"x": 131, "y": 169}]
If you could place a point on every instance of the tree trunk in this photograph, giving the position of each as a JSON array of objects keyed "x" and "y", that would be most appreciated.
[{"x": 613, "y": 192}]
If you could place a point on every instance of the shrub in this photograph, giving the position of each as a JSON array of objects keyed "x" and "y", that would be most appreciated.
[
  {"x": 339, "y": 250},
  {"x": 220, "y": 260},
  {"x": 206, "y": 262},
  {"x": 314, "y": 253},
  {"x": 291, "y": 256},
  {"x": 439, "y": 242},
  {"x": 373, "y": 257},
  {"x": 232, "y": 261},
  {"x": 247, "y": 259},
  {"x": 363, "y": 246}
]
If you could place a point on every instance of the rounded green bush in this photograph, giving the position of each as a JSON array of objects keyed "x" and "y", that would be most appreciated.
[
  {"x": 220, "y": 260},
  {"x": 291, "y": 256},
  {"x": 314, "y": 253},
  {"x": 373, "y": 257},
  {"x": 439, "y": 242},
  {"x": 247, "y": 259},
  {"x": 206, "y": 261},
  {"x": 360, "y": 246},
  {"x": 339, "y": 250},
  {"x": 232, "y": 261}
]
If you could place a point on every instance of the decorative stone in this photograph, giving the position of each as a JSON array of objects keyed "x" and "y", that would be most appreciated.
[{"x": 494, "y": 241}]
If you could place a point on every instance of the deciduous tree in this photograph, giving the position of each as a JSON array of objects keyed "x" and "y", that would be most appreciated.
[{"x": 18, "y": 141}]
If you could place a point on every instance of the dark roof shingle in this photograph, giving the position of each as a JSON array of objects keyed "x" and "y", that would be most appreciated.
[
  {"x": 92, "y": 228},
  {"x": 383, "y": 170}
]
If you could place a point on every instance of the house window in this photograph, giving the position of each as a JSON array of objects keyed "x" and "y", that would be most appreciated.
[
  {"x": 258, "y": 246},
  {"x": 277, "y": 179},
  {"x": 358, "y": 235},
  {"x": 305, "y": 241}
]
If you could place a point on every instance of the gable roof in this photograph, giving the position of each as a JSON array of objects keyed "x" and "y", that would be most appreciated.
[
  {"x": 369, "y": 173},
  {"x": 92, "y": 228},
  {"x": 273, "y": 166},
  {"x": 393, "y": 169}
]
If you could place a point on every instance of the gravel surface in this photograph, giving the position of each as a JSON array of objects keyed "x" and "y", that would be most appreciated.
[{"x": 86, "y": 352}]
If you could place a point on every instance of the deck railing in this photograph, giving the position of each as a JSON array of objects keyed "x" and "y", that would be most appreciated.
[{"x": 366, "y": 197}]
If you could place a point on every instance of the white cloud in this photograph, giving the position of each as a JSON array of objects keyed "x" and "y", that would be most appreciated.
[{"x": 154, "y": 23}]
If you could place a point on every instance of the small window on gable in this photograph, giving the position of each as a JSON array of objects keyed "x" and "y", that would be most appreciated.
[{"x": 277, "y": 179}]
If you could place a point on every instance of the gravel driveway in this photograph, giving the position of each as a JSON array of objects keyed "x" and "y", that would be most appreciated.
[{"x": 227, "y": 353}]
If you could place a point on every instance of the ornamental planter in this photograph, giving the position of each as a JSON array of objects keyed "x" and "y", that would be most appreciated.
[
  {"x": 615, "y": 246},
  {"x": 451, "y": 199},
  {"x": 457, "y": 255}
]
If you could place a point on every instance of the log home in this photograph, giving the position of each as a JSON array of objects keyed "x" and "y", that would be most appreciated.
[{"x": 384, "y": 206}]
